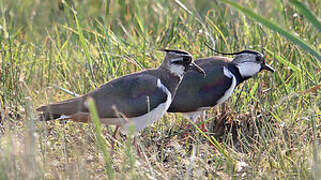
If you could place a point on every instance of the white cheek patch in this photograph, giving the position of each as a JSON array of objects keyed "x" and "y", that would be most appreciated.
[
  {"x": 178, "y": 70},
  {"x": 248, "y": 69}
]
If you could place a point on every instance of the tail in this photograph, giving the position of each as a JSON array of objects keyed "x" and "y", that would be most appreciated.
[{"x": 61, "y": 110}]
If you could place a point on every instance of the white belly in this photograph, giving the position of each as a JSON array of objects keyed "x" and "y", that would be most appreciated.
[{"x": 141, "y": 122}]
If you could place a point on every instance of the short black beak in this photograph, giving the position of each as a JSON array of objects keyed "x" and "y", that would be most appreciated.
[
  {"x": 267, "y": 67},
  {"x": 197, "y": 68}
]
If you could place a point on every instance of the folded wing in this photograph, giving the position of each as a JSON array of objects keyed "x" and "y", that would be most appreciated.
[{"x": 131, "y": 96}]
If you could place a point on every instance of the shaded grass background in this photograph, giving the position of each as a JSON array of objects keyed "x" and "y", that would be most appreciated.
[{"x": 266, "y": 127}]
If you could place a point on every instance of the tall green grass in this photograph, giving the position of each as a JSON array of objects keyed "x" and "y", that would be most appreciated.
[{"x": 268, "y": 129}]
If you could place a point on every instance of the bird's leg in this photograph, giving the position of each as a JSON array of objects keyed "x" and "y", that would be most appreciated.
[
  {"x": 202, "y": 121},
  {"x": 114, "y": 139},
  {"x": 138, "y": 150},
  {"x": 192, "y": 117},
  {"x": 187, "y": 128}
]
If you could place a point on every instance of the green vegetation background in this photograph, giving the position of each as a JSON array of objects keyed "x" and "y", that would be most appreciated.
[{"x": 270, "y": 128}]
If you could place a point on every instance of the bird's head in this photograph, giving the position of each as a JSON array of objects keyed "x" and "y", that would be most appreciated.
[
  {"x": 250, "y": 62},
  {"x": 179, "y": 61}
]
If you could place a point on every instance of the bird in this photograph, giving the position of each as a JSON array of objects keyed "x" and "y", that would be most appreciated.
[
  {"x": 196, "y": 94},
  {"x": 137, "y": 99}
]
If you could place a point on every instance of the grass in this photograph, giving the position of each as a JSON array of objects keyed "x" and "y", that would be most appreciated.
[{"x": 269, "y": 128}]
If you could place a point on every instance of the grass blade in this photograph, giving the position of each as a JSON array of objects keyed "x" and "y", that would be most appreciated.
[
  {"x": 84, "y": 45},
  {"x": 316, "y": 169},
  {"x": 307, "y": 13},
  {"x": 101, "y": 143},
  {"x": 273, "y": 26}
]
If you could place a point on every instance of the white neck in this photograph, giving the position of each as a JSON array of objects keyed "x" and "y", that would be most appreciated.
[
  {"x": 248, "y": 69},
  {"x": 177, "y": 70}
]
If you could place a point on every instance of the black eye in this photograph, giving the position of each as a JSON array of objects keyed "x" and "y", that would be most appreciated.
[
  {"x": 258, "y": 58},
  {"x": 187, "y": 59}
]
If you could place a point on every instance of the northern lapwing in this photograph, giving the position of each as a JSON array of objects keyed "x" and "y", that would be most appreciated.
[
  {"x": 139, "y": 98},
  {"x": 196, "y": 94}
]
